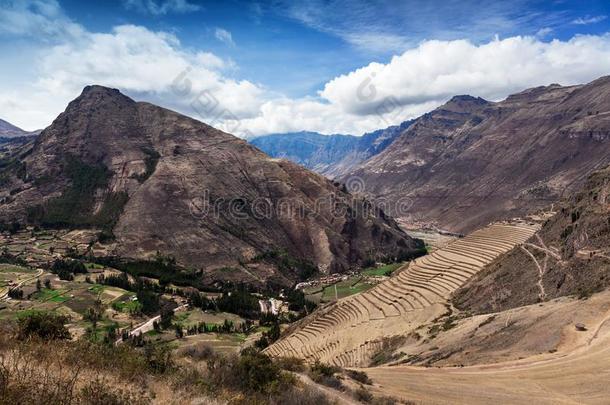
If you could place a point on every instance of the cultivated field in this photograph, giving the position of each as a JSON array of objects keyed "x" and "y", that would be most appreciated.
[{"x": 347, "y": 333}]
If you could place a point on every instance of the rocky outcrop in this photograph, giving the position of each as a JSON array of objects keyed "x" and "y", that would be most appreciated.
[
  {"x": 471, "y": 161},
  {"x": 165, "y": 183}
]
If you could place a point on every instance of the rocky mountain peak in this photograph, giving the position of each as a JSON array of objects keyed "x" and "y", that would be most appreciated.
[
  {"x": 161, "y": 182},
  {"x": 464, "y": 103}
]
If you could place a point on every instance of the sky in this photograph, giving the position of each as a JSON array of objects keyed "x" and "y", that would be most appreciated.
[{"x": 331, "y": 66}]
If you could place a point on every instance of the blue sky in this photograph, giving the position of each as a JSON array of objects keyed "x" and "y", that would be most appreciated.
[{"x": 330, "y": 66}]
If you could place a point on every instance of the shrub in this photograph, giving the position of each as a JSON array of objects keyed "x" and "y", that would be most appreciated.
[
  {"x": 100, "y": 392},
  {"x": 291, "y": 364},
  {"x": 45, "y": 325},
  {"x": 325, "y": 374},
  {"x": 359, "y": 376},
  {"x": 363, "y": 395}
]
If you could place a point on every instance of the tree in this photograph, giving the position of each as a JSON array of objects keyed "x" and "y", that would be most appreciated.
[
  {"x": 38, "y": 285},
  {"x": 15, "y": 293},
  {"x": 179, "y": 331},
  {"x": 167, "y": 315}
]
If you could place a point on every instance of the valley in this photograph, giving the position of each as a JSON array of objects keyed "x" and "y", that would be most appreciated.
[
  {"x": 331, "y": 202},
  {"x": 109, "y": 243}
]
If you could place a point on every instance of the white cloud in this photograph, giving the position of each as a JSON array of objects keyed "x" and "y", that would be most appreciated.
[
  {"x": 156, "y": 67},
  {"x": 161, "y": 7},
  {"x": 543, "y": 32},
  {"x": 224, "y": 36},
  {"x": 436, "y": 70},
  {"x": 36, "y": 18},
  {"x": 589, "y": 20},
  {"x": 147, "y": 65}
]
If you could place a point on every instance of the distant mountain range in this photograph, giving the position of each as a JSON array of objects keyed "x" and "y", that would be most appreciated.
[
  {"x": 8, "y": 130},
  {"x": 472, "y": 161},
  {"x": 330, "y": 155},
  {"x": 155, "y": 182}
]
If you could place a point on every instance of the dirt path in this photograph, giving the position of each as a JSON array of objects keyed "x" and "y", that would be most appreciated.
[
  {"x": 541, "y": 271},
  {"x": 20, "y": 284},
  {"x": 149, "y": 324}
]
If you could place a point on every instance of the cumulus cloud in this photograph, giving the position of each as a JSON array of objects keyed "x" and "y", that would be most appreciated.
[
  {"x": 154, "y": 66},
  {"x": 147, "y": 65},
  {"x": 224, "y": 36},
  {"x": 161, "y": 7},
  {"x": 589, "y": 20},
  {"x": 436, "y": 70}
]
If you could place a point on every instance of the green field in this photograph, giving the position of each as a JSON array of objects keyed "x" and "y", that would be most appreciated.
[
  {"x": 47, "y": 295},
  {"x": 10, "y": 268},
  {"x": 385, "y": 270},
  {"x": 90, "y": 266},
  {"x": 96, "y": 289},
  {"x": 344, "y": 289},
  {"x": 127, "y": 307},
  {"x": 195, "y": 316}
]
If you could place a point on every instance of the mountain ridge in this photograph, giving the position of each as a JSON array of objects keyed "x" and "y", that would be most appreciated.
[
  {"x": 164, "y": 183},
  {"x": 330, "y": 155},
  {"x": 471, "y": 161}
]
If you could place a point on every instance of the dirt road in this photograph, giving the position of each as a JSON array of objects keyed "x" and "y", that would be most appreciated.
[{"x": 4, "y": 294}]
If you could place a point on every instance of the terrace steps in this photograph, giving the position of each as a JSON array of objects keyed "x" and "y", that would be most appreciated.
[{"x": 351, "y": 331}]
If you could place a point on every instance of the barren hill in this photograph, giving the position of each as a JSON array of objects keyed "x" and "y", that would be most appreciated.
[
  {"x": 471, "y": 161},
  {"x": 570, "y": 255},
  {"x": 165, "y": 183}
]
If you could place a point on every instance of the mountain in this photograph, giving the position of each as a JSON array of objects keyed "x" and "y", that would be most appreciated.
[
  {"x": 472, "y": 161},
  {"x": 8, "y": 130},
  {"x": 570, "y": 255},
  {"x": 330, "y": 155},
  {"x": 163, "y": 183}
]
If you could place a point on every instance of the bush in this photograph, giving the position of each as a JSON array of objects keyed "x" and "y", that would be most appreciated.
[
  {"x": 159, "y": 358},
  {"x": 325, "y": 374},
  {"x": 359, "y": 376},
  {"x": 252, "y": 372},
  {"x": 15, "y": 293},
  {"x": 363, "y": 395},
  {"x": 100, "y": 392},
  {"x": 45, "y": 325},
  {"x": 66, "y": 269},
  {"x": 198, "y": 351},
  {"x": 293, "y": 364}
]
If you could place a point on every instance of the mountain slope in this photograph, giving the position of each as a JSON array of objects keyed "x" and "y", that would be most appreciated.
[
  {"x": 570, "y": 255},
  {"x": 8, "y": 130},
  {"x": 165, "y": 183},
  {"x": 331, "y": 155},
  {"x": 471, "y": 161}
]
